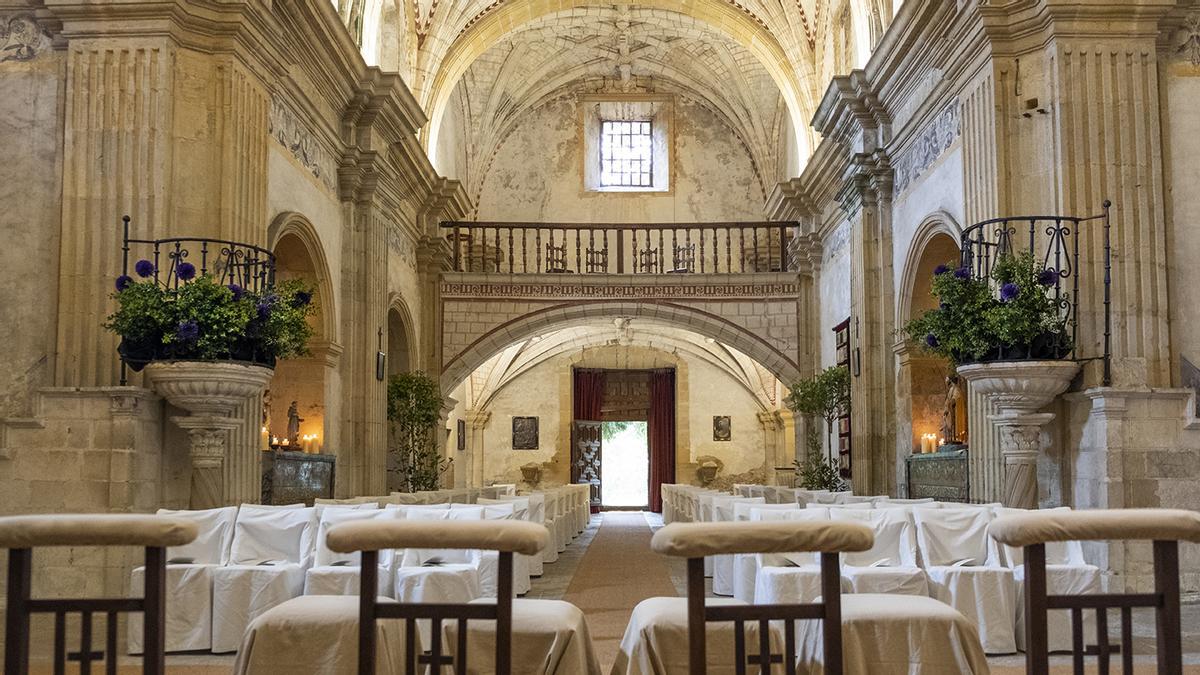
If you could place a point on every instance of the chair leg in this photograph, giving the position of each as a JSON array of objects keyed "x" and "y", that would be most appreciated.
[
  {"x": 16, "y": 624},
  {"x": 154, "y": 608},
  {"x": 1037, "y": 650},
  {"x": 1166, "y": 584},
  {"x": 831, "y": 623},
  {"x": 697, "y": 627},
  {"x": 368, "y": 590},
  {"x": 504, "y": 603}
]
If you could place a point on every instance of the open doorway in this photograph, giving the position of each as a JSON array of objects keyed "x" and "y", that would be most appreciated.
[{"x": 626, "y": 464}]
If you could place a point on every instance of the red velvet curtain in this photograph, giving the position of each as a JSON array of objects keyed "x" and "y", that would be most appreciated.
[
  {"x": 589, "y": 394},
  {"x": 662, "y": 434}
]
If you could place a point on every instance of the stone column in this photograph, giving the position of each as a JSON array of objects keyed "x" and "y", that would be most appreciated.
[
  {"x": 477, "y": 421},
  {"x": 866, "y": 199}
]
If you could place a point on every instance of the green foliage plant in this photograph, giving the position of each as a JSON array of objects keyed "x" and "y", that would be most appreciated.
[
  {"x": 414, "y": 407},
  {"x": 826, "y": 395}
]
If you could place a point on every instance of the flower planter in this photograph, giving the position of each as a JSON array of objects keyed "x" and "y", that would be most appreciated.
[
  {"x": 209, "y": 391},
  {"x": 1019, "y": 390}
]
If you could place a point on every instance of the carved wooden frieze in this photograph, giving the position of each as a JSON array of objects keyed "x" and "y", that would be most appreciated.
[
  {"x": 290, "y": 132},
  {"x": 653, "y": 289},
  {"x": 21, "y": 38},
  {"x": 933, "y": 140}
]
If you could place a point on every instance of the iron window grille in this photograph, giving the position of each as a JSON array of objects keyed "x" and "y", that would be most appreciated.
[{"x": 626, "y": 154}]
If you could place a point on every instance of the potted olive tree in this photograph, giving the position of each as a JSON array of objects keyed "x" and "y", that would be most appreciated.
[
  {"x": 826, "y": 395},
  {"x": 1009, "y": 339},
  {"x": 414, "y": 407}
]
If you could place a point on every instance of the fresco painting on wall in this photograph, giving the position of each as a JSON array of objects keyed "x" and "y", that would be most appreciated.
[
  {"x": 524, "y": 433},
  {"x": 722, "y": 428}
]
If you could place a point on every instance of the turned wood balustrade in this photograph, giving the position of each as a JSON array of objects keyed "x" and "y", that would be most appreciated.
[{"x": 619, "y": 248}]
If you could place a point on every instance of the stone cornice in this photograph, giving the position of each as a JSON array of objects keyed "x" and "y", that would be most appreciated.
[{"x": 1021, "y": 25}]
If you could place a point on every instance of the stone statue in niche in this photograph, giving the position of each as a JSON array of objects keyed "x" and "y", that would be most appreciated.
[
  {"x": 953, "y": 420},
  {"x": 293, "y": 427}
]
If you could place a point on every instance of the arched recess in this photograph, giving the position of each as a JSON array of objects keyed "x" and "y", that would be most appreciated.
[
  {"x": 720, "y": 16},
  {"x": 401, "y": 338},
  {"x": 310, "y": 382},
  {"x": 671, "y": 314},
  {"x": 921, "y": 382}
]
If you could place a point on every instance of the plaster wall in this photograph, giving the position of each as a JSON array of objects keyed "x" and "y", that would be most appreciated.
[
  {"x": 939, "y": 188},
  {"x": 537, "y": 174},
  {"x": 834, "y": 290}
]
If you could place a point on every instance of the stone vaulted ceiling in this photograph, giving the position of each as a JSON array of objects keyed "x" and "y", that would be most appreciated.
[
  {"x": 516, "y": 53},
  {"x": 620, "y": 49}
]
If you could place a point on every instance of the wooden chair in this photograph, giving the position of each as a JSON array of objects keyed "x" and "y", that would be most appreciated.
[
  {"x": 696, "y": 541},
  {"x": 370, "y": 537},
  {"x": 1165, "y": 527},
  {"x": 21, "y": 534}
]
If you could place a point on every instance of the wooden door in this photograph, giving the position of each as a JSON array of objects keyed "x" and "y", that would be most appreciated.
[{"x": 586, "y": 446}]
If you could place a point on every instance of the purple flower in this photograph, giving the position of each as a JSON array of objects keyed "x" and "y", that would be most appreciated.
[
  {"x": 1048, "y": 276},
  {"x": 943, "y": 306},
  {"x": 932, "y": 341},
  {"x": 940, "y": 270},
  {"x": 264, "y": 309},
  {"x": 301, "y": 298},
  {"x": 186, "y": 271},
  {"x": 237, "y": 291},
  {"x": 962, "y": 273},
  {"x": 144, "y": 268},
  {"x": 187, "y": 331},
  {"x": 124, "y": 281},
  {"x": 1009, "y": 291}
]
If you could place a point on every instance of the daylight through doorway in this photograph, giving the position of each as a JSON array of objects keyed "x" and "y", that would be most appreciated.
[{"x": 625, "y": 465}]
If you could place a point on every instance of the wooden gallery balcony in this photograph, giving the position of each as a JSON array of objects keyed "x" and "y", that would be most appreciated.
[{"x": 619, "y": 248}]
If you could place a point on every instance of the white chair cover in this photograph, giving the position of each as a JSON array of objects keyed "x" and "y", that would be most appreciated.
[
  {"x": 338, "y": 573},
  {"x": 964, "y": 571},
  {"x": 723, "y": 564},
  {"x": 189, "y": 582},
  {"x": 316, "y": 635},
  {"x": 788, "y": 577},
  {"x": 1066, "y": 574},
  {"x": 896, "y": 635},
  {"x": 656, "y": 640},
  {"x": 745, "y": 565},
  {"x": 891, "y": 564},
  {"x": 271, "y": 550},
  {"x": 549, "y": 637}
]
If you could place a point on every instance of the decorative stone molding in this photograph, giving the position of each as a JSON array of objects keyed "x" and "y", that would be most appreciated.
[
  {"x": 1188, "y": 38},
  {"x": 210, "y": 392},
  {"x": 930, "y": 144},
  {"x": 291, "y": 133},
  {"x": 1018, "y": 390},
  {"x": 21, "y": 38},
  {"x": 780, "y": 290}
]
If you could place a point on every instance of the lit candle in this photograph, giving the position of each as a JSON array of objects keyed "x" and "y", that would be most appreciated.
[{"x": 266, "y": 439}]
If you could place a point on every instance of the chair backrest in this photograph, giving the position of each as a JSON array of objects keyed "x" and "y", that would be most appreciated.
[
  {"x": 370, "y": 537},
  {"x": 1034, "y": 530},
  {"x": 743, "y": 510},
  {"x": 273, "y": 535},
  {"x": 331, "y": 517},
  {"x": 521, "y": 507},
  {"x": 723, "y": 506},
  {"x": 694, "y": 541},
  {"x": 154, "y": 533},
  {"x": 947, "y": 537},
  {"x": 895, "y": 537},
  {"x": 368, "y": 504},
  {"x": 1057, "y": 552},
  {"x": 214, "y": 535}
]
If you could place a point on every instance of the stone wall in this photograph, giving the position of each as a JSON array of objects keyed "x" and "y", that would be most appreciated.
[
  {"x": 537, "y": 174},
  {"x": 546, "y": 390}
]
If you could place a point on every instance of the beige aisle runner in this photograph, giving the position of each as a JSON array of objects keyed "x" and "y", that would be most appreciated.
[{"x": 618, "y": 571}]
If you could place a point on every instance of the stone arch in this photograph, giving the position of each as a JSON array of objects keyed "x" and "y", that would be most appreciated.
[
  {"x": 920, "y": 377},
  {"x": 677, "y": 315},
  {"x": 311, "y": 381},
  {"x": 292, "y": 224},
  {"x": 725, "y": 18},
  {"x": 401, "y": 343},
  {"x": 934, "y": 228}
]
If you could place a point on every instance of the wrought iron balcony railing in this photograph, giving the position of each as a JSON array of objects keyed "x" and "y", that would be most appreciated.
[{"x": 619, "y": 248}]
